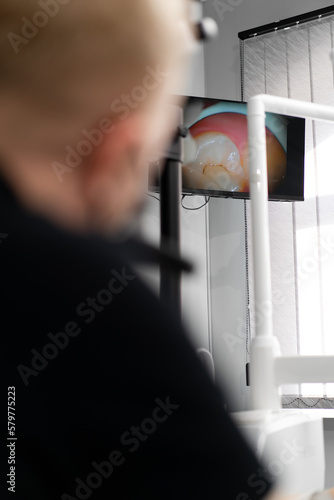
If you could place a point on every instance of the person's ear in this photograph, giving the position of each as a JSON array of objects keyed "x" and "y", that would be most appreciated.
[{"x": 116, "y": 163}]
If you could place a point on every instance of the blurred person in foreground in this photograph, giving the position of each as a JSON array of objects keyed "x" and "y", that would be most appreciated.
[{"x": 111, "y": 400}]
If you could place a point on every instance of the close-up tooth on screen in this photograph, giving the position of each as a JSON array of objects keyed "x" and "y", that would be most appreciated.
[
  {"x": 216, "y": 165},
  {"x": 218, "y": 156}
]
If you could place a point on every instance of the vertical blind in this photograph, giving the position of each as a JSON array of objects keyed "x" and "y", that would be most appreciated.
[{"x": 295, "y": 62}]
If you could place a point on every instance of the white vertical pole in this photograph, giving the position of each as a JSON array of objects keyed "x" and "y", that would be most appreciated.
[
  {"x": 258, "y": 182},
  {"x": 264, "y": 394}
]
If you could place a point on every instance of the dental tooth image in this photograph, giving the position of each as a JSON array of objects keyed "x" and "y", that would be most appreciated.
[
  {"x": 216, "y": 155},
  {"x": 217, "y": 164}
]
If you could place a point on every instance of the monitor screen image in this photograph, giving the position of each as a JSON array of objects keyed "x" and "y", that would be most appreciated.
[{"x": 216, "y": 153}]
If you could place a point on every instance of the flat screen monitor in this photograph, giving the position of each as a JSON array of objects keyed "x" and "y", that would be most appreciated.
[{"x": 216, "y": 151}]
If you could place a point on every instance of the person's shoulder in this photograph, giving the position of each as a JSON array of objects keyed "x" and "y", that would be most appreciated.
[
  {"x": 62, "y": 270},
  {"x": 30, "y": 239}
]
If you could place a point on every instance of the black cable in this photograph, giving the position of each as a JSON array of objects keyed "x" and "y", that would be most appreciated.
[
  {"x": 152, "y": 196},
  {"x": 286, "y": 405},
  {"x": 207, "y": 199}
]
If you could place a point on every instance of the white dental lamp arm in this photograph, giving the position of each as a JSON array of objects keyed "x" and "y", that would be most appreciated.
[
  {"x": 267, "y": 369},
  {"x": 304, "y": 369}
]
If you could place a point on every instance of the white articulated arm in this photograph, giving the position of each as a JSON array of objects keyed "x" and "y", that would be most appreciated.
[
  {"x": 267, "y": 369},
  {"x": 304, "y": 369}
]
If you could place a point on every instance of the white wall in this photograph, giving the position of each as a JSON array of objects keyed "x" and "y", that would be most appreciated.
[{"x": 227, "y": 238}]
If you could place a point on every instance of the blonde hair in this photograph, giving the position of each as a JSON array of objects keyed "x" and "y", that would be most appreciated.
[{"x": 45, "y": 45}]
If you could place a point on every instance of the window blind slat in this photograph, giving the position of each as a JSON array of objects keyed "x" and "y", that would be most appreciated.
[
  {"x": 299, "y": 73},
  {"x": 275, "y": 65},
  {"x": 254, "y": 73}
]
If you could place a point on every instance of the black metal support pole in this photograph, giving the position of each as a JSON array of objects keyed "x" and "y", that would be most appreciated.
[
  {"x": 170, "y": 201},
  {"x": 170, "y": 279}
]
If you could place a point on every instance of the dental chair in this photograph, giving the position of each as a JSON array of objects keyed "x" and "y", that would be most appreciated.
[{"x": 290, "y": 443}]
